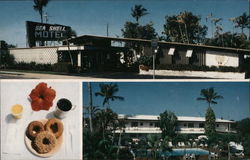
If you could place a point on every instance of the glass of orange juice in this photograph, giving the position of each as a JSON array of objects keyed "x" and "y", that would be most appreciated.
[{"x": 16, "y": 111}]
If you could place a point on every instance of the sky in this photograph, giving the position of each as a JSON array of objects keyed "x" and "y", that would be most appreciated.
[
  {"x": 153, "y": 98},
  {"x": 92, "y": 16}
]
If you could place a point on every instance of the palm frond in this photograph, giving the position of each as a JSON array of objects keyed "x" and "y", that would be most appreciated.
[
  {"x": 209, "y": 95},
  {"x": 118, "y": 98},
  {"x": 201, "y": 99},
  {"x": 99, "y": 94},
  {"x": 213, "y": 102},
  {"x": 218, "y": 97}
]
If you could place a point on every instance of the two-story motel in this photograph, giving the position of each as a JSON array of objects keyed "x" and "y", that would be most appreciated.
[{"x": 145, "y": 124}]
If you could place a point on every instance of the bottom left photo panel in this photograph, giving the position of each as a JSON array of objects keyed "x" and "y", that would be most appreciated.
[{"x": 41, "y": 119}]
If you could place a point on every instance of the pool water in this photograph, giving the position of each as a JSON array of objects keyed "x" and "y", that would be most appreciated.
[{"x": 182, "y": 152}]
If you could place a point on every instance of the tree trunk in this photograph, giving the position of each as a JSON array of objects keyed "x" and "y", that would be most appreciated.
[
  {"x": 90, "y": 107},
  {"x": 229, "y": 156},
  {"x": 181, "y": 33},
  {"x": 41, "y": 16},
  {"x": 186, "y": 33},
  {"x": 119, "y": 144},
  {"x": 71, "y": 59}
]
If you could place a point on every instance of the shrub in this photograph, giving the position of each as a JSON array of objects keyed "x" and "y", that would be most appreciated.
[
  {"x": 188, "y": 67},
  {"x": 229, "y": 69},
  {"x": 33, "y": 66},
  {"x": 6, "y": 59},
  {"x": 246, "y": 67},
  {"x": 62, "y": 67},
  {"x": 145, "y": 60}
]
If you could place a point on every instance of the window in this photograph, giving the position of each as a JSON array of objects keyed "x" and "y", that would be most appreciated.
[
  {"x": 201, "y": 125},
  {"x": 141, "y": 124},
  {"x": 189, "y": 53},
  {"x": 150, "y": 124},
  {"x": 171, "y": 51},
  {"x": 185, "y": 125},
  {"x": 134, "y": 124},
  {"x": 190, "y": 125},
  {"x": 217, "y": 125},
  {"x": 157, "y": 124}
]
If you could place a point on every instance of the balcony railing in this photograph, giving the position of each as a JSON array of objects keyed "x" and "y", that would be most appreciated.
[
  {"x": 142, "y": 130},
  {"x": 178, "y": 130}
]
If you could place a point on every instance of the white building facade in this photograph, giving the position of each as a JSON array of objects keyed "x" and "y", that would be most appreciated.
[
  {"x": 40, "y": 55},
  {"x": 146, "y": 124}
]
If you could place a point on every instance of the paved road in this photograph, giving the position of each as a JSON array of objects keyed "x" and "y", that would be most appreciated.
[{"x": 97, "y": 76}]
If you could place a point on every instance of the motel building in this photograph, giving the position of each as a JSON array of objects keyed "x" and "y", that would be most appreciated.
[
  {"x": 95, "y": 53},
  {"x": 139, "y": 125}
]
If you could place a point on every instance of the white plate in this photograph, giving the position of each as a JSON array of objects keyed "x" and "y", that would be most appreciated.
[{"x": 28, "y": 142}]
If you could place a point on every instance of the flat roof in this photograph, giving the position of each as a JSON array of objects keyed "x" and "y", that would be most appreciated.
[
  {"x": 86, "y": 38},
  {"x": 180, "y": 118}
]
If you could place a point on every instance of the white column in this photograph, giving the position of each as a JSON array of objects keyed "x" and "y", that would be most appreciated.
[{"x": 79, "y": 59}]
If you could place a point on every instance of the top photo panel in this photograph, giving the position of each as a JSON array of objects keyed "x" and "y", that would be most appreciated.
[{"x": 125, "y": 39}]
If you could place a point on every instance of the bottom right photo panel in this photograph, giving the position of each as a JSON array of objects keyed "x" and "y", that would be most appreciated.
[{"x": 163, "y": 120}]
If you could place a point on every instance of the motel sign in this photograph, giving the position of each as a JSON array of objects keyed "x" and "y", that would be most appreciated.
[{"x": 45, "y": 32}]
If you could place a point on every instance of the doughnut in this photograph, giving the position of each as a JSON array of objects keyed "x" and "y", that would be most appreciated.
[
  {"x": 54, "y": 126},
  {"x": 44, "y": 142},
  {"x": 34, "y": 128}
]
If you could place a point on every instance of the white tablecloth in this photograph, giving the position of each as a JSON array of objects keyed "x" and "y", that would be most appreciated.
[{"x": 13, "y": 131}]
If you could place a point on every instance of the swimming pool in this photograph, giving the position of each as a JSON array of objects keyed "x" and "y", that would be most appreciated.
[
  {"x": 175, "y": 152},
  {"x": 183, "y": 151}
]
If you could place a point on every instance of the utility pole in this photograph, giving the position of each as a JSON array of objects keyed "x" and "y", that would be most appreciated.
[
  {"x": 154, "y": 46},
  {"x": 153, "y": 65},
  {"x": 249, "y": 19},
  {"x": 107, "y": 29},
  {"x": 46, "y": 17}
]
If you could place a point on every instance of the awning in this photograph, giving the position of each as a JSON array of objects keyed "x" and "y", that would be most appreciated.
[
  {"x": 189, "y": 53},
  {"x": 72, "y": 48},
  {"x": 171, "y": 51}
]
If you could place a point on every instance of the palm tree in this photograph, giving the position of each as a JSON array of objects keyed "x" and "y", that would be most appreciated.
[
  {"x": 242, "y": 22},
  {"x": 105, "y": 122},
  {"x": 153, "y": 141},
  {"x": 138, "y": 11},
  {"x": 209, "y": 95},
  {"x": 108, "y": 91},
  {"x": 39, "y": 4}
]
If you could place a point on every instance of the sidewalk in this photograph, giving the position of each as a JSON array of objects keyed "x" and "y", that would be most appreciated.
[
  {"x": 92, "y": 76},
  {"x": 26, "y": 75}
]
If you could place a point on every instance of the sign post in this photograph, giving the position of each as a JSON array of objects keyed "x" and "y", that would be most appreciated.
[{"x": 154, "y": 46}]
